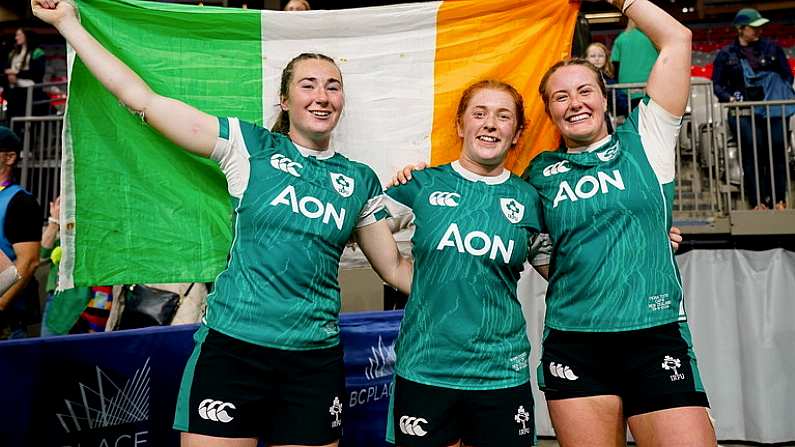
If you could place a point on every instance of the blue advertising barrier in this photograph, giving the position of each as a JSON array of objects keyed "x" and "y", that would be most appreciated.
[{"x": 119, "y": 389}]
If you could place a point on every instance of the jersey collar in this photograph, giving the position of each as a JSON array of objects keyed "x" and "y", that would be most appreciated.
[
  {"x": 472, "y": 177},
  {"x": 320, "y": 155},
  {"x": 591, "y": 147}
]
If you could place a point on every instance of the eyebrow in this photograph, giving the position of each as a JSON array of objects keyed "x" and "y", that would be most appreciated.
[{"x": 314, "y": 79}]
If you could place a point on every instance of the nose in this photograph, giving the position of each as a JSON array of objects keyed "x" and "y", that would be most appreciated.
[
  {"x": 490, "y": 123},
  {"x": 321, "y": 96}
]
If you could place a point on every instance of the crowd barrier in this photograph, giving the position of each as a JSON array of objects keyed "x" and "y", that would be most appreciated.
[{"x": 119, "y": 389}]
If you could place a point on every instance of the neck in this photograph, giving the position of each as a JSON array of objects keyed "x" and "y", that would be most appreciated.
[
  {"x": 320, "y": 144},
  {"x": 481, "y": 169}
]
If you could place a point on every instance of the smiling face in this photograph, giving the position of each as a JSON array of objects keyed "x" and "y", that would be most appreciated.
[
  {"x": 577, "y": 105},
  {"x": 314, "y": 102},
  {"x": 489, "y": 126}
]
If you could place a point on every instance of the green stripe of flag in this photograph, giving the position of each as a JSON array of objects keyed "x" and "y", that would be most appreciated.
[{"x": 168, "y": 212}]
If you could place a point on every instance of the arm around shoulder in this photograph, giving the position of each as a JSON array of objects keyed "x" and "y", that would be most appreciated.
[{"x": 381, "y": 250}]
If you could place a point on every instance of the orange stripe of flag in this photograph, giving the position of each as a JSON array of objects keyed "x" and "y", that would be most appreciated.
[{"x": 509, "y": 40}]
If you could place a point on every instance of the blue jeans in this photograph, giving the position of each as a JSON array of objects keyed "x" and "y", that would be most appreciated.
[
  {"x": 757, "y": 171},
  {"x": 45, "y": 331}
]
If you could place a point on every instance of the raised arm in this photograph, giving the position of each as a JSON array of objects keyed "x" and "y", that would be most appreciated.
[
  {"x": 669, "y": 81},
  {"x": 184, "y": 125}
]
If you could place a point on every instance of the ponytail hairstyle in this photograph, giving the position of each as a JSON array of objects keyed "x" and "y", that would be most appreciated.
[{"x": 282, "y": 124}]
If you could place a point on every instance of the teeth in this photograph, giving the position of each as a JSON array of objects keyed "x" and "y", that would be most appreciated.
[
  {"x": 578, "y": 118},
  {"x": 488, "y": 139}
]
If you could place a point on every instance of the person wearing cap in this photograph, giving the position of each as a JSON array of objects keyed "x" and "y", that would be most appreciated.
[
  {"x": 752, "y": 51},
  {"x": 20, "y": 236}
]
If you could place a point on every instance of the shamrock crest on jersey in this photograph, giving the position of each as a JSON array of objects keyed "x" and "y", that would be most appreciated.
[
  {"x": 512, "y": 209},
  {"x": 342, "y": 184}
]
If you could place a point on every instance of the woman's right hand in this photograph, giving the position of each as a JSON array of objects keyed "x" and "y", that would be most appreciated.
[
  {"x": 53, "y": 12},
  {"x": 404, "y": 175}
]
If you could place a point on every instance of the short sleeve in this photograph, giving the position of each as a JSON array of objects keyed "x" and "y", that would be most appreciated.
[
  {"x": 399, "y": 201},
  {"x": 374, "y": 209},
  {"x": 659, "y": 130}
]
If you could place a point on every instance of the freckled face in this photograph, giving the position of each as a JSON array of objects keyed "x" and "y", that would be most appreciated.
[{"x": 488, "y": 127}]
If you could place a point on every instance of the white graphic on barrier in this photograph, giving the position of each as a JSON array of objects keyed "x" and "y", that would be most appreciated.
[
  {"x": 382, "y": 362},
  {"x": 107, "y": 404}
]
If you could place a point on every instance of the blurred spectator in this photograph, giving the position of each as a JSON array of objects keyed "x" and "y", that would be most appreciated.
[
  {"x": 633, "y": 56},
  {"x": 26, "y": 66},
  {"x": 297, "y": 5},
  {"x": 20, "y": 236},
  {"x": 63, "y": 308},
  {"x": 753, "y": 68},
  {"x": 599, "y": 55}
]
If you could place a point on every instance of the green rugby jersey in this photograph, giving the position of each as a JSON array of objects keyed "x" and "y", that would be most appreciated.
[
  {"x": 608, "y": 212},
  {"x": 293, "y": 217},
  {"x": 463, "y": 327}
]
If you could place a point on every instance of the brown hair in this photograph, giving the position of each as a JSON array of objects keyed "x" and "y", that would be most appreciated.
[
  {"x": 494, "y": 85},
  {"x": 282, "y": 124},
  {"x": 542, "y": 87},
  {"x": 608, "y": 69}
]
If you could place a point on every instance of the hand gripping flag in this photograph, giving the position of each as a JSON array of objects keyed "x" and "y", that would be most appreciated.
[{"x": 140, "y": 210}]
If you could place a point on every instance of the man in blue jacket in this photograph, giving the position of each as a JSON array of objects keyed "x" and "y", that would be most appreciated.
[
  {"x": 730, "y": 85},
  {"x": 20, "y": 236}
]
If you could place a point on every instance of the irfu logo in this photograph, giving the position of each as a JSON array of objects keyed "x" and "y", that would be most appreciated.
[
  {"x": 669, "y": 363},
  {"x": 523, "y": 417}
]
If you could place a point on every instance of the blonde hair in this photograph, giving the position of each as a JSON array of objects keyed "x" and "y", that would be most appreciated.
[
  {"x": 608, "y": 69},
  {"x": 302, "y": 3}
]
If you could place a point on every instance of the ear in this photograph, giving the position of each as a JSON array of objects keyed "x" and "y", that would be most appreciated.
[{"x": 517, "y": 136}]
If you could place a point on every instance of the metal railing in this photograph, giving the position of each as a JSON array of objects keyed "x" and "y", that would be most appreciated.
[
  {"x": 766, "y": 180},
  {"x": 40, "y": 163},
  {"x": 43, "y": 99}
]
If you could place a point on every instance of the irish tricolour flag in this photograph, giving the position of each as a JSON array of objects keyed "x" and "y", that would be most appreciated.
[{"x": 140, "y": 210}]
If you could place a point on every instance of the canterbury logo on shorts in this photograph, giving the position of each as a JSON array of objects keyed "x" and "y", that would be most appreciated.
[
  {"x": 283, "y": 163},
  {"x": 215, "y": 410},
  {"x": 411, "y": 426},
  {"x": 441, "y": 198}
]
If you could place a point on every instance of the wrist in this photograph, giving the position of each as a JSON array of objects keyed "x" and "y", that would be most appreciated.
[{"x": 65, "y": 24}]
